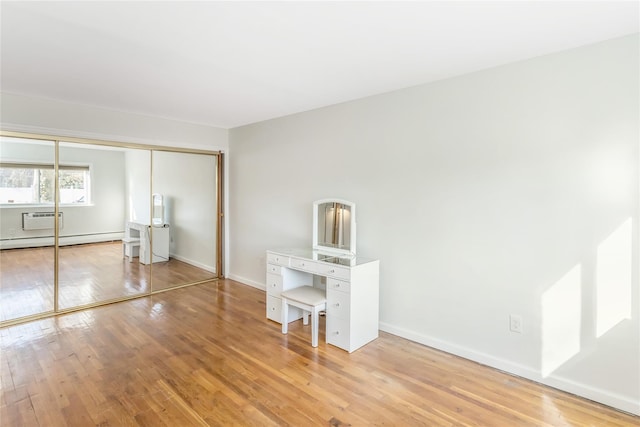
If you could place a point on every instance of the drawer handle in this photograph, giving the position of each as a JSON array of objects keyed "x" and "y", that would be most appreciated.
[
  {"x": 273, "y": 309},
  {"x": 332, "y": 271},
  {"x": 337, "y": 304},
  {"x": 337, "y": 285},
  {"x": 337, "y": 333}
]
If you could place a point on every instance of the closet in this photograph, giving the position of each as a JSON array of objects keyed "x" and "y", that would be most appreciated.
[{"x": 101, "y": 192}]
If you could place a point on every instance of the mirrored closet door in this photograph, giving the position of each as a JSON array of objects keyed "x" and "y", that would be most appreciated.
[
  {"x": 27, "y": 247},
  {"x": 132, "y": 220},
  {"x": 101, "y": 188},
  {"x": 185, "y": 212}
]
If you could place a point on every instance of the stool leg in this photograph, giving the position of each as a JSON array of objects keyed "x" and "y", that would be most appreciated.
[
  {"x": 315, "y": 319},
  {"x": 305, "y": 317},
  {"x": 285, "y": 316}
]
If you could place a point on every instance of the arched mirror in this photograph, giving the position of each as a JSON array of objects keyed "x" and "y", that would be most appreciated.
[{"x": 334, "y": 226}]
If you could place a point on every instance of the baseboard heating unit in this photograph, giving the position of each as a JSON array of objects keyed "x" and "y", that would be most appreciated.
[{"x": 40, "y": 220}]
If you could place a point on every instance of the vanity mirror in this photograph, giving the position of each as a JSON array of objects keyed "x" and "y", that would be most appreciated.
[
  {"x": 334, "y": 226},
  {"x": 158, "y": 210}
]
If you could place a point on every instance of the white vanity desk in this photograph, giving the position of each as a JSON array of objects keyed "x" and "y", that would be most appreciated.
[
  {"x": 352, "y": 286},
  {"x": 143, "y": 233}
]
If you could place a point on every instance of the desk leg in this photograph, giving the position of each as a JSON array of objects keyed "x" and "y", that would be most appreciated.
[
  {"x": 285, "y": 316},
  {"x": 314, "y": 326}
]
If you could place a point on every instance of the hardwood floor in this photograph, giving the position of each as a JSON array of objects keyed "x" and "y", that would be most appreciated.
[
  {"x": 206, "y": 356},
  {"x": 25, "y": 290},
  {"x": 88, "y": 274}
]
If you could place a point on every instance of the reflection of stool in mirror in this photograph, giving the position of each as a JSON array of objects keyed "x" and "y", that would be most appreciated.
[
  {"x": 130, "y": 247},
  {"x": 311, "y": 300}
]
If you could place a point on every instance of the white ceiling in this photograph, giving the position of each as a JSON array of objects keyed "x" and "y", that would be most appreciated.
[{"x": 228, "y": 64}]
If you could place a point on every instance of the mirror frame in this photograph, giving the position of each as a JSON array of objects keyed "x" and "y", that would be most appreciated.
[{"x": 352, "y": 228}]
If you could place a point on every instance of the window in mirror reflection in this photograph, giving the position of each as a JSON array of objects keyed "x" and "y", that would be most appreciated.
[{"x": 33, "y": 184}]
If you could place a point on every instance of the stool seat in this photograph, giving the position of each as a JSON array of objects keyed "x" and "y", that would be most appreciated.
[
  {"x": 306, "y": 295},
  {"x": 311, "y": 300}
]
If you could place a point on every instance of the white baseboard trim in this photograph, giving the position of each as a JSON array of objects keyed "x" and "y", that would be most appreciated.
[
  {"x": 247, "y": 282},
  {"x": 64, "y": 241},
  {"x": 616, "y": 401},
  {"x": 206, "y": 267}
]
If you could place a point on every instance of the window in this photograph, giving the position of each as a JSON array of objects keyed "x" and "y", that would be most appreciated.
[{"x": 33, "y": 184}]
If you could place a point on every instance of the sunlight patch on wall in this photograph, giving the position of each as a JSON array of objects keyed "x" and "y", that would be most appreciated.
[
  {"x": 613, "y": 286},
  {"x": 561, "y": 320}
]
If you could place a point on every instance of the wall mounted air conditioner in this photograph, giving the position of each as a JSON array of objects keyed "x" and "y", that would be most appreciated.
[{"x": 40, "y": 220}]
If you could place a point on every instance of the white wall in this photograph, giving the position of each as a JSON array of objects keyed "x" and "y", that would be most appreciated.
[{"x": 513, "y": 190}]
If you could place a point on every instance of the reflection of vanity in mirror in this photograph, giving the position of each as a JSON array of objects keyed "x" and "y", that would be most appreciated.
[
  {"x": 138, "y": 236},
  {"x": 351, "y": 282},
  {"x": 144, "y": 235}
]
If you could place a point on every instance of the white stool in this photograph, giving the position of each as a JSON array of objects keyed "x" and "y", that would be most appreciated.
[
  {"x": 311, "y": 300},
  {"x": 129, "y": 244}
]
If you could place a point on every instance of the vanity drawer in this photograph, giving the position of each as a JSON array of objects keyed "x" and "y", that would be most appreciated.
[
  {"x": 274, "y": 284},
  {"x": 273, "y": 269},
  {"x": 304, "y": 264},
  {"x": 331, "y": 270},
  {"x": 338, "y": 304},
  {"x": 277, "y": 259},
  {"x": 338, "y": 332},
  {"x": 338, "y": 285},
  {"x": 274, "y": 308}
]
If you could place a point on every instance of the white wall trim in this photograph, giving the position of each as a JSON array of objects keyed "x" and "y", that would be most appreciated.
[
  {"x": 584, "y": 391},
  {"x": 64, "y": 241},
  {"x": 206, "y": 267},
  {"x": 247, "y": 282}
]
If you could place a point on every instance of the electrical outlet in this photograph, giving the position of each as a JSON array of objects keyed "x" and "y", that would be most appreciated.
[{"x": 515, "y": 323}]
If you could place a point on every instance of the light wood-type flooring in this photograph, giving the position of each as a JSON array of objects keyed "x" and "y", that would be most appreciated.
[
  {"x": 206, "y": 355},
  {"x": 88, "y": 274}
]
